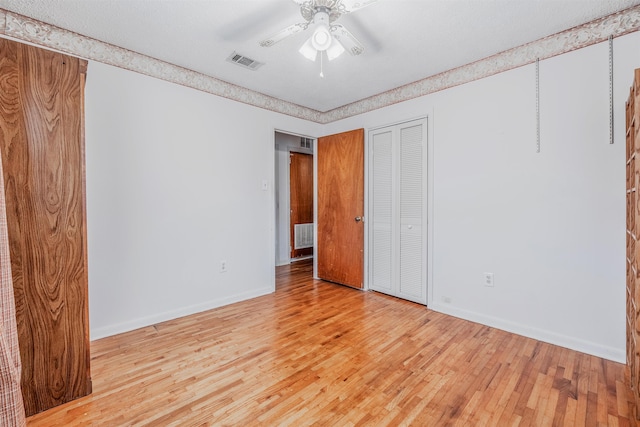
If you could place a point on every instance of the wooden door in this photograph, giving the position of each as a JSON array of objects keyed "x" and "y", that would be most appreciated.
[
  {"x": 301, "y": 203},
  {"x": 340, "y": 181},
  {"x": 42, "y": 148}
]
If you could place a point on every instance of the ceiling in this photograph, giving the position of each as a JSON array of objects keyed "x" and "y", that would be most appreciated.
[{"x": 405, "y": 40}]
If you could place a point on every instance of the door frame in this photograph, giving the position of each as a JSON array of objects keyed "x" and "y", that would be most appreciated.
[
  {"x": 305, "y": 152},
  {"x": 287, "y": 200}
]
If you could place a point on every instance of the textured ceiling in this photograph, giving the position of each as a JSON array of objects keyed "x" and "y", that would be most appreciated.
[{"x": 405, "y": 40}]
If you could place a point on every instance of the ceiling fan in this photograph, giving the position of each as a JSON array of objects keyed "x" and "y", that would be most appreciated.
[{"x": 327, "y": 36}]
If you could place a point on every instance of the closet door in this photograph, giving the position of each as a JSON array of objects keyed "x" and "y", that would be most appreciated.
[
  {"x": 381, "y": 211},
  {"x": 397, "y": 211},
  {"x": 411, "y": 282}
]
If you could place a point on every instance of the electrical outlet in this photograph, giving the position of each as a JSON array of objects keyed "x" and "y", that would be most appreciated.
[
  {"x": 446, "y": 300},
  {"x": 488, "y": 279},
  {"x": 223, "y": 266}
]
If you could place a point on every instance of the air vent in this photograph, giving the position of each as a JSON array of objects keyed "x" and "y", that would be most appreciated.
[
  {"x": 243, "y": 61},
  {"x": 306, "y": 142}
]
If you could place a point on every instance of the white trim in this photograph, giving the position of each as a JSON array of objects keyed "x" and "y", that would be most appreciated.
[
  {"x": 315, "y": 209},
  {"x": 398, "y": 122},
  {"x": 566, "y": 341},
  {"x": 365, "y": 213},
  {"x": 142, "y": 322},
  {"x": 430, "y": 197},
  {"x": 271, "y": 180}
]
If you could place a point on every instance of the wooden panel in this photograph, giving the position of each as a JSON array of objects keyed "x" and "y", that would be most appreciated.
[
  {"x": 315, "y": 353},
  {"x": 340, "y": 160},
  {"x": 42, "y": 153},
  {"x": 301, "y": 195},
  {"x": 633, "y": 232}
]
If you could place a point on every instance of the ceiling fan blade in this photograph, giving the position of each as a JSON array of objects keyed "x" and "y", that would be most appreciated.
[
  {"x": 346, "y": 39},
  {"x": 284, "y": 33},
  {"x": 353, "y": 5}
]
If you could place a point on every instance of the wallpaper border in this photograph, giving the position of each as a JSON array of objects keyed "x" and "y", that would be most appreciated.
[
  {"x": 22, "y": 28},
  {"x": 597, "y": 31}
]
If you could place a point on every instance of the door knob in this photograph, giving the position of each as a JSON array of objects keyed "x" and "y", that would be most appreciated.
[{"x": 358, "y": 219}]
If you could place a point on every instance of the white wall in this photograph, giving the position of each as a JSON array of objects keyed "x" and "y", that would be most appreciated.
[
  {"x": 174, "y": 181},
  {"x": 174, "y": 177},
  {"x": 550, "y": 226}
]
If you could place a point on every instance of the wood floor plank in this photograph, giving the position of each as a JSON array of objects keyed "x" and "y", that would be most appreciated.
[{"x": 316, "y": 353}]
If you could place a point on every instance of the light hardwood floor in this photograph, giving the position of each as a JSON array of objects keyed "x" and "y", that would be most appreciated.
[{"x": 324, "y": 354}]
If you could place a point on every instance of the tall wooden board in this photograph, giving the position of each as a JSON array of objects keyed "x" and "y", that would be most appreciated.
[
  {"x": 633, "y": 234},
  {"x": 42, "y": 148}
]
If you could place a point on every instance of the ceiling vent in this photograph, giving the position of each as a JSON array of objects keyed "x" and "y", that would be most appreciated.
[{"x": 245, "y": 62}]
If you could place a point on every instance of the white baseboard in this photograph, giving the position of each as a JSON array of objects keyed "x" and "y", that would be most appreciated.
[
  {"x": 609, "y": 353},
  {"x": 141, "y": 322}
]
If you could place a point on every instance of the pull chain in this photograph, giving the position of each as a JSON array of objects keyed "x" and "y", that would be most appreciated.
[
  {"x": 321, "y": 73},
  {"x": 610, "y": 89},
  {"x": 537, "y": 105}
]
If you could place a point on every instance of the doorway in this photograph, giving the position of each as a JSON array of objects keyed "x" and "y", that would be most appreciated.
[
  {"x": 338, "y": 223},
  {"x": 301, "y": 205},
  {"x": 293, "y": 197}
]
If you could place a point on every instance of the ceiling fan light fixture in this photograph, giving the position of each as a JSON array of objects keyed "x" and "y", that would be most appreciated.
[
  {"x": 321, "y": 38},
  {"x": 327, "y": 36}
]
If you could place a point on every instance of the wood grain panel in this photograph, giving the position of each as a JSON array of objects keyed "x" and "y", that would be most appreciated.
[
  {"x": 340, "y": 163},
  {"x": 315, "y": 353},
  {"x": 301, "y": 195},
  {"x": 43, "y": 157},
  {"x": 633, "y": 222}
]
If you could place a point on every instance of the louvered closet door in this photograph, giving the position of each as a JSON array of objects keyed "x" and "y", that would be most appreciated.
[
  {"x": 397, "y": 211},
  {"x": 412, "y": 257},
  {"x": 381, "y": 171}
]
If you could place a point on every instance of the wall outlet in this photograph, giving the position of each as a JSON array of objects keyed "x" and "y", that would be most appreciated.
[
  {"x": 223, "y": 266},
  {"x": 446, "y": 300},
  {"x": 488, "y": 279}
]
